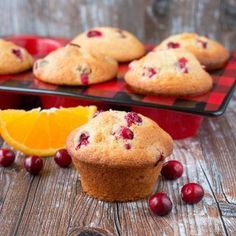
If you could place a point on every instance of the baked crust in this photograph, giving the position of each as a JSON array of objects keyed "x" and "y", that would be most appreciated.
[
  {"x": 72, "y": 65},
  {"x": 210, "y": 53},
  {"x": 13, "y": 58},
  {"x": 149, "y": 143},
  {"x": 168, "y": 78},
  {"x": 119, "y": 44}
]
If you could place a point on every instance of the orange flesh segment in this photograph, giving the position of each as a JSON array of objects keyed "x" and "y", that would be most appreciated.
[{"x": 43, "y": 132}]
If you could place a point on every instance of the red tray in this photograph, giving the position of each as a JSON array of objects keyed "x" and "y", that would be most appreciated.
[
  {"x": 9, "y": 100},
  {"x": 116, "y": 95}
]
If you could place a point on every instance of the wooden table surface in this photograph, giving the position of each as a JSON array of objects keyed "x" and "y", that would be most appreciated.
[{"x": 54, "y": 204}]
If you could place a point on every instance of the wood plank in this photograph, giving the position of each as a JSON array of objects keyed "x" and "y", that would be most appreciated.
[
  {"x": 71, "y": 17},
  {"x": 47, "y": 211}
]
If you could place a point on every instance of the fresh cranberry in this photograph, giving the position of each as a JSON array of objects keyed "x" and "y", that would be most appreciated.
[
  {"x": 62, "y": 158},
  {"x": 94, "y": 33},
  {"x": 149, "y": 72},
  {"x": 192, "y": 193},
  {"x": 202, "y": 43},
  {"x": 83, "y": 140},
  {"x": 7, "y": 157},
  {"x": 33, "y": 164},
  {"x": 17, "y": 52},
  {"x": 126, "y": 133},
  {"x": 84, "y": 78},
  {"x": 173, "y": 45},
  {"x": 182, "y": 64},
  {"x": 133, "y": 118},
  {"x": 172, "y": 170},
  {"x": 160, "y": 204}
]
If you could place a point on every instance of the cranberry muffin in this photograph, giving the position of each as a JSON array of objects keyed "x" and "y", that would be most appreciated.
[
  {"x": 168, "y": 73},
  {"x": 119, "y": 155},
  {"x": 210, "y": 53},
  {"x": 117, "y": 43},
  {"x": 72, "y": 65},
  {"x": 13, "y": 58}
]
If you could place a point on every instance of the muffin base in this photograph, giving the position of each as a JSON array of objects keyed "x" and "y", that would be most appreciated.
[
  {"x": 120, "y": 184},
  {"x": 143, "y": 91}
]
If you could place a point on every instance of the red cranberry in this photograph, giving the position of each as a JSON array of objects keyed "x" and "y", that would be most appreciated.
[
  {"x": 182, "y": 64},
  {"x": 202, "y": 43},
  {"x": 192, "y": 193},
  {"x": 33, "y": 164},
  {"x": 62, "y": 158},
  {"x": 7, "y": 157},
  {"x": 94, "y": 33},
  {"x": 160, "y": 204},
  {"x": 172, "y": 170},
  {"x": 133, "y": 118},
  {"x": 173, "y": 45},
  {"x": 17, "y": 52},
  {"x": 83, "y": 140},
  {"x": 84, "y": 78},
  {"x": 149, "y": 72},
  {"x": 126, "y": 133},
  {"x": 127, "y": 146}
]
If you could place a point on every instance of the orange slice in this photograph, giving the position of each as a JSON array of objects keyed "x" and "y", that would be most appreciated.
[{"x": 42, "y": 132}]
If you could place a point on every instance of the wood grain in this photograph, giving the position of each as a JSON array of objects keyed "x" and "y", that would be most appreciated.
[{"x": 54, "y": 204}]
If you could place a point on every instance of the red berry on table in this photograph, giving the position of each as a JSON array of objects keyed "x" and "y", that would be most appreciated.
[
  {"x": 192, "y": 193},
  {"x": 160, "y": 204},
  {"x": 7, "y": 157},
  {"x": 33, "y": 164},
  {"x": 172, "y": 170},
  {"x": 62, "y": 158}
]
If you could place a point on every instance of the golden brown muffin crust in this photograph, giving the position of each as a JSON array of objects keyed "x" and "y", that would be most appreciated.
[
  {"x": 72, "y": 65},
  {"x": 13, "y": 58},
  {"x": 114, "y": 42},
  {"x": 209, "y": 52},
  {"x": 107, "y": 145},
  {"x": 168, "y": 72}
]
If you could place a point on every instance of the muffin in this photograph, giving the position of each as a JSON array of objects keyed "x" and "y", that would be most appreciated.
[
  {"x": 72, "y": 65},
  {"x": 119, "y": 155},
  {"x": 210, "y": 53},
  {"x": 13, "y": 58},
  {"x": 168, "y": 73},
  {"x": 117, "y": 43}
]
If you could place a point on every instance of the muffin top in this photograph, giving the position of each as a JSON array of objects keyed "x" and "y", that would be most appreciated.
[
  {"x": 72, "y": 65},
  {"x": 209, "y": 52},
  {"x": 114, "y": 42},
  {"x": 118, "y": 138},
  {"x": 168, "y": 72},
  {"x": 13, "y": 58}
]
